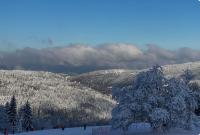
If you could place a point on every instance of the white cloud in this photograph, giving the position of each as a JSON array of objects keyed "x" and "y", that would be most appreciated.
[{"x": 95, "y": 57}]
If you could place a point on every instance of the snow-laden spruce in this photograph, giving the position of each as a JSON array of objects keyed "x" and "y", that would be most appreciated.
[
  {"x": 27, "y": 117},
  {"x": 153, "y": 98},
  {"x": 12, "y": 114}
]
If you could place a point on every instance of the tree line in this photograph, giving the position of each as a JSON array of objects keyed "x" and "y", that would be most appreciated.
[{"x": 16, "y": 119}]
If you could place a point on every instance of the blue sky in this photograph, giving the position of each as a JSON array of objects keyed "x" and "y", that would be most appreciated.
[{"x": 169, "y": 24}]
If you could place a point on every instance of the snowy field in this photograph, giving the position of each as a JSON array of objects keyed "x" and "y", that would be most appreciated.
[{"x": 135, "y": 129}]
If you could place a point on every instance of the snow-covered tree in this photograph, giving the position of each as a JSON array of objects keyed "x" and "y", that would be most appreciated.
[
  {"x": 153, "y": 98},
  {"x": 159, "y": 118},
  {"x": 194, "y": 86},
  {"x": 12, "y": 113},
  {"x": 141, "y": 99},
  {"x": 27, "y": 117},
  {"x": 20, "y": 119},
  {"x": 181, "y": 103},
  {"x": 122, "y": 112},
  {"x": 187, "y": 76}
]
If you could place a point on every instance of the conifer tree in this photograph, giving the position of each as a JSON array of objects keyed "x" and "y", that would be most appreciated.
[
  {"x": 187, "y": 76},
  {"x": 12, "y": 113},
  {"x": 27, "y": 117}
]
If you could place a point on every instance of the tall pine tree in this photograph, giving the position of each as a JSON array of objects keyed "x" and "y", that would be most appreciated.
[
  {"x": 12, "y": 113},
  {"x": 27, "y": 117}
]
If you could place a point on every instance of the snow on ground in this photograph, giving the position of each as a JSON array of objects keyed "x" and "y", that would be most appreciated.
[{"x": 135, "y": 129}]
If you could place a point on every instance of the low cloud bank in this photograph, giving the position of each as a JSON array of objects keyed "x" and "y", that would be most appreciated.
[{"x": 82, "y": 58}]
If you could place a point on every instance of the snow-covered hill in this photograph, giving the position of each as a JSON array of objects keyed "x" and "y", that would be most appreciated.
[
  {"x": 72, "y": 100},
  {"x": 54, "y": 98},
  {"x": 103, "y": 80}
]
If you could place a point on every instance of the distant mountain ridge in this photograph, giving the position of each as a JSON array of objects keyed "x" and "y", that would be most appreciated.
[{"x": 103, "y": 80}]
